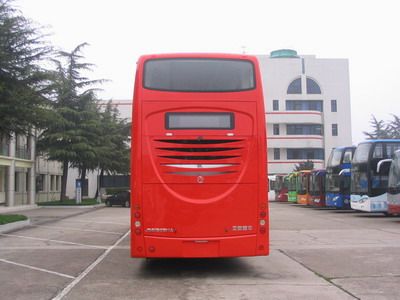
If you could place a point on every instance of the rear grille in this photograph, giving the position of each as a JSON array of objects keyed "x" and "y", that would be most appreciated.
[
  {"x": 216, "y": 159},
  {"x": 197, "y": 149},
  {"x": 201, "y": 157},
  {"x": 198, "y": 141}
]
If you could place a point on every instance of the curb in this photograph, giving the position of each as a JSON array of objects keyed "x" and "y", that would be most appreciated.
[
  {"x": 14, "y": 226},
  {"x": 9, "y": 209},
  {"x": 71, "y": 206}
]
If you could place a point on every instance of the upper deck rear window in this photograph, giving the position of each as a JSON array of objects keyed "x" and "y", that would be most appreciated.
[{"x": 199, "y": 75}]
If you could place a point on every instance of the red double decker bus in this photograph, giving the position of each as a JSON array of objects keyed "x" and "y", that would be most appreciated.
[{"x": 199, "y": 184}]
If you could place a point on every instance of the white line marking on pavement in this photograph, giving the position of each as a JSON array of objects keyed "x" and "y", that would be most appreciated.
[
  {"x": 78, "y": 229},
  {"x": 55, "y": 241},
  {"x": 35, "y": 268},
  {"x": 94, "y": 222},
  {"x": 69, "y": 287}
]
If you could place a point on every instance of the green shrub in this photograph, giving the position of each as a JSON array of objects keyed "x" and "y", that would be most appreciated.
[{"x": 4, "y": 219}]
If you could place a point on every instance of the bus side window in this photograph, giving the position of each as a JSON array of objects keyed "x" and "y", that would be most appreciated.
[
  {"x": 378, "y": 151},
  {"x": 347, "y": 157}
]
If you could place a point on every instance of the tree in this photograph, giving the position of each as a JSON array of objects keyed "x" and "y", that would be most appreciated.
[
  {"x": 24, "y": 84},
  {"x": 113, "y": 150},
  {"x": 306, "y": 165},
  {"x": 71, "y": 134},
  {"x": 394, "y": 127},
  {"x": 380, "y": 130}
]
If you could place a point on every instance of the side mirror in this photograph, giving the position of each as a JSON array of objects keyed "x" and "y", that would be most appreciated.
[
  {"x": 381, "y": 163},
  {"x": 342, "y": 172}
]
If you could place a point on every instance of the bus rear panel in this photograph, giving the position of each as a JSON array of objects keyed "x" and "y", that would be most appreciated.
[{"x": 198, "y": 162}]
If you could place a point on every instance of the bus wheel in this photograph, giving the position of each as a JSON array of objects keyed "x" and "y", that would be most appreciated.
[
  {"x": 387, "y": 214},
  {"x": 108, "y": 203},
  {"x": 127, "y": 203}
]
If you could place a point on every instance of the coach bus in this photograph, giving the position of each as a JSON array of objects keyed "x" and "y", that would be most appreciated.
[
  {"x": 394, "y": 185},
  {"x": 303, "y": 187},
  {"x": 292, "y": 187},
  {"x": 199, "y": 184},
  {"x": 338, "y": 177},
  {"x": 317, "y": 188},
  {"x": 369, "y": 175},
  {"x": 281, "y": 188}
]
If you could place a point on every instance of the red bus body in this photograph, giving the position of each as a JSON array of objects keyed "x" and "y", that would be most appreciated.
[{"x": 198, "y": 192}]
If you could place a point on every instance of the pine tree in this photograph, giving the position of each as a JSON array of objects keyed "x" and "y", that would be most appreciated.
[
  {"x": 72, "y": 131},
  {"x": 381, "y": 130},
  {"x": 24, "y": 84}
]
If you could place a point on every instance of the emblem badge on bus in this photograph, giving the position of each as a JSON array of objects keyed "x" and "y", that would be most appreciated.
[{"x": 200, "y": 179}]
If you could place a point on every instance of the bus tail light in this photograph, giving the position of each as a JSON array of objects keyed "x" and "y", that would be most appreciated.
[
  {"x": 262, "y": 226},
  {"x": 138, "y": 230}
]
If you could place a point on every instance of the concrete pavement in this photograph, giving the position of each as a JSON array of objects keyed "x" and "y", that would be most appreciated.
[{"x": 315, "y": 253}]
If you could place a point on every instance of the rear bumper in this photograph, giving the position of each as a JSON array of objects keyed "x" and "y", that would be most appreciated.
[{"x": 247, "y": 245}]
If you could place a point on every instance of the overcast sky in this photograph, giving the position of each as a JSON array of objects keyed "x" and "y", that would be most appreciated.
[{"x": 119, "y": 31}]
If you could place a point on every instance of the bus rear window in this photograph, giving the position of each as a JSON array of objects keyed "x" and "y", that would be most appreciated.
[
  {"x": 199, "y": 75},
  {"x": 200, "y": 120}
]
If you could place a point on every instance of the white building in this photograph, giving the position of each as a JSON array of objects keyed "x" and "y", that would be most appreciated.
[
  {"x": 307, "y": 102},
  {"x": 17, "y": 170}
]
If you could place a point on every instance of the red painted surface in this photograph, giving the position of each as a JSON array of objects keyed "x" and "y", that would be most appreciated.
[
  {"x": 180, "y": 212},
  {"x": 394, "y": 209},
  {"x": 282, "y": 195}
]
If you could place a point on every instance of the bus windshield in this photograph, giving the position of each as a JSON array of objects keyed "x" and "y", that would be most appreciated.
[
  {"x": 314, "y": 186},
  {"x": 335, "y": 157},
  {"x": 362, "y": 153},
  {"x": 394, "y": 175},
  {"x": 303, "y": 184},
  {"x": 199, "y": 75},
  {"x": 332, "y": 182}
]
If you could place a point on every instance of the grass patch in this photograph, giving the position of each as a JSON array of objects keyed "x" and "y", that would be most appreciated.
[
  {"x": 71, "y": 202},
  {"x": 5, "y": 219}
]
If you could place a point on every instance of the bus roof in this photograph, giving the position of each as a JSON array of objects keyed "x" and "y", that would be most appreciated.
[
  {"x": 380, "y": 141},
  {"x": 197, "y": 55},
  {"x": 344, "y": 147}
]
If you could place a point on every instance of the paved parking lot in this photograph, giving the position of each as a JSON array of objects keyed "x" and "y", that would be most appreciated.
[{"x": 316, "y": 253}]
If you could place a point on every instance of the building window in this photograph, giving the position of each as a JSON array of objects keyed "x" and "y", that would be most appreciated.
[
  {"x": 312, "y": 87},
  {"x": 277, "y": 153},
  {"x": 2, "y": 179},
  {"x": 40, "y": 182},
  {"x": 276, "y": 129},
  {"x": 27, "y": 181},
  {"x": 52, "y": 183},
  {"x": 334, "y": 129},
  {"x": 17, "y": 181},
  {"x": 275, "y": 105},
  {"x": 315, "y": 105},
  {"x": 333, "y": 106},
  {"x": 305, "y": 153},
  {"x": 295, "y": 87},
  {"x": 304, "y": 129},
  {"x": 59, "y": 183}
]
